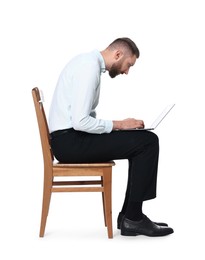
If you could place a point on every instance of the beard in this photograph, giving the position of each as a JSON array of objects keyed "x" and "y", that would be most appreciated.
[{"x": 115, "y": 70}]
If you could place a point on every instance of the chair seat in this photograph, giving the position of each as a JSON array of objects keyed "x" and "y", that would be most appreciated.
[
  {"x": 84, "y": 165},
  {"x": 80, "y": 169}
]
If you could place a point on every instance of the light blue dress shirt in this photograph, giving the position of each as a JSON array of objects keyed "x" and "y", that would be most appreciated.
[{"x": 76, "y": 96}]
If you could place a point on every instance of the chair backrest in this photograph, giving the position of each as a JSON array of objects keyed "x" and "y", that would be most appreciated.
[{"x": 43, "y": 128}]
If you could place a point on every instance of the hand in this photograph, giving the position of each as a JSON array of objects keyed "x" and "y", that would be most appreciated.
[{"x": 129, "y": 123}]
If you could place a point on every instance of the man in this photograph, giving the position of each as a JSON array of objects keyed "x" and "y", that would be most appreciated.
[{"x": 77, "y": 136}]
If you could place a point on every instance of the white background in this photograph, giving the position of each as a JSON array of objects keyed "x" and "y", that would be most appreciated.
[{"x": 37, "y": 39}]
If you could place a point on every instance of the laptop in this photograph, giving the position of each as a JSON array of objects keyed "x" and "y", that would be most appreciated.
[{"x": 159, "y": 119}]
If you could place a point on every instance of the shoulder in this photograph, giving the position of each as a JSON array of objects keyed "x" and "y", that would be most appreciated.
[
  {"x": 83, "y": 64},
  {"x": 87, "y": 61}
]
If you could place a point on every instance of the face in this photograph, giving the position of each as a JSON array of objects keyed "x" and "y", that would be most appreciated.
[{"x": 122, "y": 66}]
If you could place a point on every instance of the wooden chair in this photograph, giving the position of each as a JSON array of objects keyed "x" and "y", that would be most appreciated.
[{"x": 52, "y": 170}]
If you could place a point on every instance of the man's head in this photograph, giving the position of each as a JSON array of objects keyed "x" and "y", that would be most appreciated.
[{"x": 119, "y": 56}]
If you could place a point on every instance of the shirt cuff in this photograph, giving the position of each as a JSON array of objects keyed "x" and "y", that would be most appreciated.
[{"x": 108, "y": 126}]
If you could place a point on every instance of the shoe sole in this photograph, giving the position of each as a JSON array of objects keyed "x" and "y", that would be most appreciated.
[{"x": 131, "y": 233}]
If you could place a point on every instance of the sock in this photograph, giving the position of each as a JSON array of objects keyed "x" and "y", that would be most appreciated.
[{"x": 134, "y": 211}]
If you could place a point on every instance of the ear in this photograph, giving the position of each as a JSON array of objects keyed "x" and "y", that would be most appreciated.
[{"x": 118, "y": 55}]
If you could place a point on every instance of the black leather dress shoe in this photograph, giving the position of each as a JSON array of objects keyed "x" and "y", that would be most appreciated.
[
  {"x": 143, "y": 227},
  {"x": 121, "y": 216}
]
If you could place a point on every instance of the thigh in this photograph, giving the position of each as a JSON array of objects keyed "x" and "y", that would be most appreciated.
[{"x": 79, "y": 146}]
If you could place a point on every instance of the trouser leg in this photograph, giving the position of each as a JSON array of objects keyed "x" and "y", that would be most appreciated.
[
  {"x": 143, "y": 170},
  {"x": 132, "y": 206}
]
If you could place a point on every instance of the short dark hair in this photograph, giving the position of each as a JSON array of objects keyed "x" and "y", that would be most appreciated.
[{"x": 126, "y": 43}]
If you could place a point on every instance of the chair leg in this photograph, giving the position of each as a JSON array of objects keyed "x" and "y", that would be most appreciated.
[
  {"x": 103, "y": 201},
  {"x": 45, "y": 204},
  {"x": 107, "y": 194}
]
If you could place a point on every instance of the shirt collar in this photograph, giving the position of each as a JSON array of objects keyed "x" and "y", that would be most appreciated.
[{"x": 101, "y": 61}]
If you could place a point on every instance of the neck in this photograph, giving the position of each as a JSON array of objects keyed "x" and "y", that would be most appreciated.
[{"x": 106, "y": 56}]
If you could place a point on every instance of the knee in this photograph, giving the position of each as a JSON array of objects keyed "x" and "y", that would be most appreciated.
[
  {"x": 154, "y": 140},
  {"x": 155, "y": 137}
]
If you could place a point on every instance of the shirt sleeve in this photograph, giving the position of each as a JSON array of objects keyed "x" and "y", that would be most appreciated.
[{"x": 86, "y": 81}]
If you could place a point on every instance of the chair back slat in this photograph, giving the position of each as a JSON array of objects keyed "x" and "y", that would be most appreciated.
[{"x": 43, "y": 127}]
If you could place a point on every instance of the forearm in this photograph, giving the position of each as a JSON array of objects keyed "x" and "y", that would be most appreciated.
[{"x": 92, "y": 125}]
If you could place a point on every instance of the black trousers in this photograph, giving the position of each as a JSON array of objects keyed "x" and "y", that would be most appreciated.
[{"x": 141, "y": 148}]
